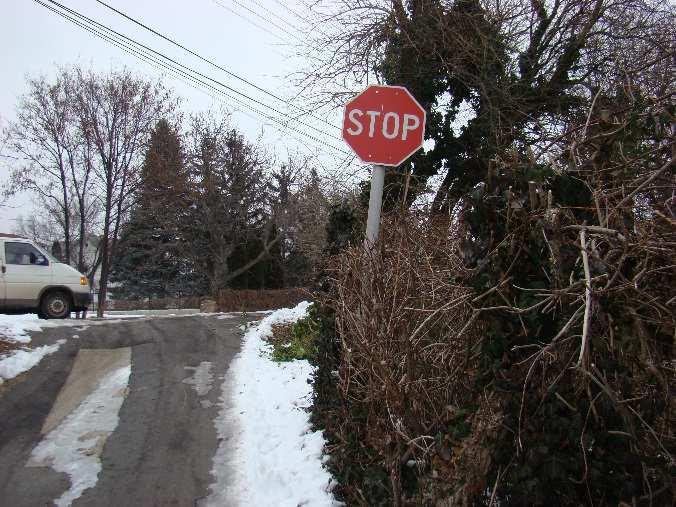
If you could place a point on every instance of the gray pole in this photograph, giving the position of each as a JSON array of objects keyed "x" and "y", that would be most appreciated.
[{"x": 375, "y": 203}]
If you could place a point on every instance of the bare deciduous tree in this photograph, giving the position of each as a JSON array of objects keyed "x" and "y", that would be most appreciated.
[
  {"x": 45, "y": 138},
  {"x": 78, "y": 142},
  {"x": 117, "y": 112},
  {"x": 300, "y": 208},
  {"x": 41, "y": 230}
]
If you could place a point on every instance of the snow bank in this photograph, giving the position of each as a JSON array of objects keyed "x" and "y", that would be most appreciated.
[
  {"x": 268, "y": 454},
  {"x": 92, "y": 315}
]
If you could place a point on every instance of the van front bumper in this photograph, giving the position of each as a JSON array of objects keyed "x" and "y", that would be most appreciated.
[{"x": 82, "y": 299}]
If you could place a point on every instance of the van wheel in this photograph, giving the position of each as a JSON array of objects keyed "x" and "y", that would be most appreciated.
[{"x": 55, "y": 305}]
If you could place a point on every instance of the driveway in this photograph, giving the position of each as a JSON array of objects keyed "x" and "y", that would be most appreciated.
[{"x": 161, "y": 450}]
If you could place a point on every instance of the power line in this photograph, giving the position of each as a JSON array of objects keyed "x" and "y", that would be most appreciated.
[
  {"x": 210, "y": 62},
  {"x": 251, "y": 21},
  {"x": 173, "y": 70},
  {"x": 275, "y": 14},
  {"x": 139, "y": 53},
  {"x": 219, "y": 83},
  {"x": 267, "y": 20},
  {"x": 291, "y": 11},
  {"x": 312, "y": 25}
]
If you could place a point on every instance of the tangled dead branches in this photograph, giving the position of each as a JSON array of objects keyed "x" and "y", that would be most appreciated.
[{"x": 523, "y": 352}]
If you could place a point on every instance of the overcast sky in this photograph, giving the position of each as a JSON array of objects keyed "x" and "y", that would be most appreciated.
[{"x": 252, "y": 38}]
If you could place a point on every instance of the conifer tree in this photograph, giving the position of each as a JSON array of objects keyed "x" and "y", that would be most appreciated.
[
  {"x": 231, "y": 231},
  {"x": 152, "y": 260}
]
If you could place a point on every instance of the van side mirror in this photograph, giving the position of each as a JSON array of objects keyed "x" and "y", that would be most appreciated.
[{"x": 38, "y": 260}]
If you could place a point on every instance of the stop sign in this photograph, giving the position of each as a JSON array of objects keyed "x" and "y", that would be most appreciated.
[{"x": 384, "y": 125}]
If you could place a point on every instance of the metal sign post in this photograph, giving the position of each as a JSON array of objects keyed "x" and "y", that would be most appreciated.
[{"x": 375, "y": 205}]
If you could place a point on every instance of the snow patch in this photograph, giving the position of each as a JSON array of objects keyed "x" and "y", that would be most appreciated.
[
  {"x": 202, "y": 379},
  {"x": 75, "y": 445},
  {"x": 117, "y": 316},
  {"x": 268, "y": 454},
  {"x": 23, "y": 360},
  {"x": 14, "y": 328}
]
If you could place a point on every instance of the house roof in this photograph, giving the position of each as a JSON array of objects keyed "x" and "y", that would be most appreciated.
[{"x": 7, "y": 235}]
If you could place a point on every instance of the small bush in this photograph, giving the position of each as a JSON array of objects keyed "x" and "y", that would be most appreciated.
[{"x": 296, "y": 341}]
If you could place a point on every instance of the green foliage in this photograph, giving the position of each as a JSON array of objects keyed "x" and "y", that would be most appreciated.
[
  {"x": 342, "y": 228},
  {"x": 298, "y": 341}
]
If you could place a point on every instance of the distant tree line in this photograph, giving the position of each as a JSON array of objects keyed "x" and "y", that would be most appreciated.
[
  {"x": 124, "y": 194},
  {"x": 212, "y": 212}
]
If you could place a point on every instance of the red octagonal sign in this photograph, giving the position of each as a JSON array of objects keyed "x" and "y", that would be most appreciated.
[{"x": 384, "y": 125}]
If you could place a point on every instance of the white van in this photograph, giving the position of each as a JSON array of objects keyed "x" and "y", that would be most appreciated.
[{"x": 32, "y": 280}]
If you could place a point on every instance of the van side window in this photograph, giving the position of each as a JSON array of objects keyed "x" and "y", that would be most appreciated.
[{"x": 23, "y": 254}]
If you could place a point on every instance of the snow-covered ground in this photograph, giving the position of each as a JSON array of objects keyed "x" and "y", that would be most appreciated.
[
  {"x": 268, "y": 454},
  {"x": 14, "y": 329},
  {"x": 21, "y": 360}
]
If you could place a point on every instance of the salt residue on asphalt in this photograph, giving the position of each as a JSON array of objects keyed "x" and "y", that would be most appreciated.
[
  {"x": 74, "y": 446},
  {"x": 201, "y": 379},
  {"x": 268, "y": 454}
]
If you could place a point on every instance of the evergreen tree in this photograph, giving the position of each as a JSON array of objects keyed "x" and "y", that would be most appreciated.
[
  {"x": 152, "y": 260},
  {"x": 231, "y": 231},
  {"x": 342, "y": 227}
]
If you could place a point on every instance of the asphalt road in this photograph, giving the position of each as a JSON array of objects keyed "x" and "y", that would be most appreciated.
[{"x": 161, "y": 451}]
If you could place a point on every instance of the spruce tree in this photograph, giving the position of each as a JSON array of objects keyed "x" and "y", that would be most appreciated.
[{"x": 152, "y": 261}]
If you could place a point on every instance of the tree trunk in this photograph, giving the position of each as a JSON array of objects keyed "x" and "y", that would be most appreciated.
[
  {"x": 105, "y": 256},
  {"x": 81, "y": 267},
  {"x": 66, "y": 222},
  {"x": 103, "y": 279}
]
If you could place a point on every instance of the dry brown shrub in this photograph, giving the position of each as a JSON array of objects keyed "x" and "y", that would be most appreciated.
[
  {"x": 408, "y": 340},
  {"x": 280, "y": 333},
  {"x": 250, "y": 300},
  {"x": 561, "y": 391}
]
